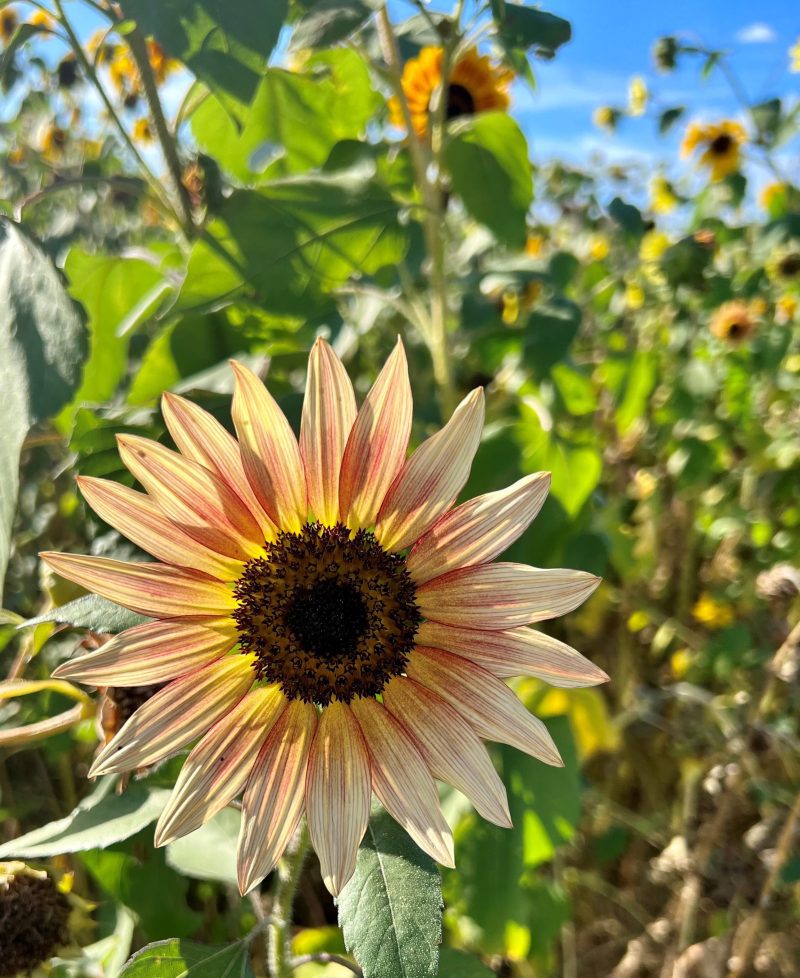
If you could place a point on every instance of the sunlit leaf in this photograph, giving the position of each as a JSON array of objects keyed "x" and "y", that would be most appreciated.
[{"x": 187, "y": 959}]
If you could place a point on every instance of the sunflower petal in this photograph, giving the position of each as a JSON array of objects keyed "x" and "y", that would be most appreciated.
[
  {"x": 329, "y": 410},
  {"x": 479, "y": 530},
  {"x": 192, "y": 497},
  {"x": 219, "y": 766},
  {"x": 139, "y": 519},
  {"x": 432, "y": 477},
  {"x": 176, "y": 715},
  {"x": 156, "y": 590},
  {"x": 516, "y": 652},
  {"x": 451, "y": 747},
  {"x": 270, "y": 454},
  {"x": 153, "y": 653},
  {"x": 376, "y": 448},
  {"x": 503, "y": 595},
  {"x": 485, "y": 702},
  {"x": 201, "y": 438},
  {"x": 402, "y": 781},
  {"x": 338, "y": 790},
  {"x": 275, "y": 794}
]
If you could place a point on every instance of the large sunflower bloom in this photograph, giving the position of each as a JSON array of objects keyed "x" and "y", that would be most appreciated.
[
  {"x": 721, "y": 142},
  {"x": 327, "y": 623},
  {"x": 475, "y": 85}
]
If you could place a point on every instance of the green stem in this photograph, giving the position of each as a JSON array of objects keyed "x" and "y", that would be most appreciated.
[{"x": 289, "y": 872}]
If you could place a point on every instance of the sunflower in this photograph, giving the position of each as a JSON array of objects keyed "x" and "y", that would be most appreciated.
[
  {"x": 143, "y": 131},
  {"x": 161, "y": 64},
  {"x": 606, "y": 117},
  {"x": 721, "y": 142},
  {"x": 663, "y": 199},
  {"x": 320, "y": 658},
  {"x": 733, "y": 321},
  {"x": 475, "y": 85},
  {"x": 783, "y": 267},
  {"x": 794, "y": 57},
  {"x": 638, "y": 96},
  {"x": 8, "y": 23},
  {"x": 54, "y": 142}
]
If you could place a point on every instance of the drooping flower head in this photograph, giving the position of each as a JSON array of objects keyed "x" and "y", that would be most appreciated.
[
  {"x": 721, "y": 143},
  {"x": 327, "y": 623},
  {"x": 474, "y": 85},
  {"x": 733, "y": 322}
]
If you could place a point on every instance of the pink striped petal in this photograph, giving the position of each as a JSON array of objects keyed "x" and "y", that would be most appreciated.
[
  {"x": 479, "y": 530},
  {"x": 193, "y": 498},
  {"x": 516, "y": 652},
  {"x": 201, "y": 438},
  {"x": 156, "y": 590},
  {"x": 219, "y": 766},
  {"x": 500, "y": 596},
  {"x": 329, "y": 410},
  {"x": 402, "y": 781},
  {"x": 153, "y": 653},
  {"x": 275, "y": 794},
  {"x": 376, "y": 448},
  {"x": 451, "y": 747},
  {"x": 338, "y": 790},
  {"x": 270, "y": 453},
  {"x": 176, "y": 715},
  {"x": 485, "y": 702},
  {"x": 432, "y": 477},
  {"x": 139, "y": 519}
]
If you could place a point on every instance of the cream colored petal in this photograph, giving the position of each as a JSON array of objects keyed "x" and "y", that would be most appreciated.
[
  {"x": 274, "y": 798},
  {"x": 516, "y": 652},
  {"x": 479, "y": 530},
  {"x": 200, "y": 437},
  {"x": 451, "y": 747},
  {"x": 140, "y": 519},
  {"x": 376, "y": 448},
  {"x": 193, "y": 498},
  {"x": 402, "y": 781},
  {"x": 156, "y": 590},
  {"x": 485, "y": 702},
  {"x": 219, "y": 766},
  {"x": 432, "y": 477},
  {"x": 177, "y": 714},
  {"x": 329, "y": 410},
  {"x": 338, "y": 791},
  {"x": 153, "y": 653},
  {"x": 503, "y": 595},
  {"x": 270, "y": 454}
]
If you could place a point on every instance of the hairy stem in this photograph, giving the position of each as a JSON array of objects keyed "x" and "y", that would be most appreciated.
[{"x": 288, "y": 878}]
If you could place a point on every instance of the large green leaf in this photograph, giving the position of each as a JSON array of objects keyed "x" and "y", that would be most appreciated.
[
  {"x": 92, "y": 612},
  {"x": 186, "y": 959},
  {"x": 291, "y": 242},
  {"x": 329, "y": 21},
  {"x": 99, "y": 820},
  {"x": 487, "y": 157},
  {"x": 391, "y": 910},
  {"x": 526, "y": 27},
  {"x": 225, "y": 43},
  {"x": 459, "y": 964},
  {"x": 42, "y": 348},
  {"x": 209, "y": 853}
]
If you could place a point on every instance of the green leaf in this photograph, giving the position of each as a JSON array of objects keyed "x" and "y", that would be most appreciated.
[
  {"x": 640, "y": 381},
  {"x": 92, "y": 612},
  {"x": 329, "y": 21},
  {"x": 767, "y": 117},
  {"x": 459, "y": 964},
  {"x": 42, "y": 348},
  {"x": 627, "y": 216},
  {"x": 526, "y": 27},
  {"x": 210, "y": 852},
  {"x": 186, "y": 959},
  {"x": 224, "y": 43},
  {"x": 391, "y": 910},
  {"x": 669, "y": 117},
  {"x": 487, "y": 157},
  {"x": 22, "y": 34},
  {"x": 99, "y": 820},
  {"x": 551, "y": 330},
  {"x": 292, "y": 242}
]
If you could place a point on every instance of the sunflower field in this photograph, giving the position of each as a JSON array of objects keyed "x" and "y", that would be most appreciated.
[{"x": 399, "y": 525}]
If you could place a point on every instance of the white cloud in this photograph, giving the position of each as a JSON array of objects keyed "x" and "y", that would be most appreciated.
[{"x": 757, "y": 33}]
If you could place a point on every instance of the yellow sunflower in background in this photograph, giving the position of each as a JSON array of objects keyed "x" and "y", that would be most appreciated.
[
  {"x": 606, "y": 117},
  {"x": 733, "y": 321},
  {"x": 328, "y": 624},
  {"x": 143, "y": 131},
  {"x": 638, "y": 96},
  {"x": 54, "y": 142},
  {"x": 663, "y": 199},
  {"x": 721, "y": 143},
  {"x": 785, "y": 309},
  {"x": 40, "y": 18},
  {"x": 794, "y": 56},
  {"x": 162, "y": 65},
  {"x": 475, "y": 85},
  {"x": 783, "y": 267},
  {"x": 8, "y": 23}
]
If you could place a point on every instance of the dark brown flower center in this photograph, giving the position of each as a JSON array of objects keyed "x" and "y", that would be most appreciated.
[
  {"x": 721, "y": 145},
  {"x": 328, "y": 615},
  {"x": 459, "y": 102},
  {"x": 735, "y": 330},
  {"x": 33, "y": 923},
  {"x": 789, "y": 266}
]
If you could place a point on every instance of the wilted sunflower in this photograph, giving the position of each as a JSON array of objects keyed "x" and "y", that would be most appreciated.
[
  {"x": 475, "y": 85},
  {"x": 722, "y": 143},
  {"x": 297, "y": 584},
  {"x": 733, "y": 321}
]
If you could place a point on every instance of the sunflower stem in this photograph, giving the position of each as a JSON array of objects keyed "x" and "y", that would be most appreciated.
[{"x": 289, "y": 871}]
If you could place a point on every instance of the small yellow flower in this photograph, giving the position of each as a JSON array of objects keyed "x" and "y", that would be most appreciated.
[
  {"x": 794, "y": 56},
  {"x": 8, "y": 23},
  {"x": 758, "y": 307},
  {"x": 772, "y": 194},
  {"x": 733, "y": 322},
  {"x": 123, "y": 71},
  {"x": 638, "y": 96},
  {"x": 534, "y": 245},
  {"x": 653, "y": 245},
  {"x": 161, "y": 64},
  {"x": 54, "y": 142},
  {"x": 634, "y": 296},
  {"x": 721, "y": 143},
  {"x": 604, "y": 117},
  {"x": 103, "y": 51},
  {"x": 679, "y": 662},
  {"x": 712, "y": 613},
  {"x": 645, "y": 484},
  {"x": 662, "y": 197},
  {"x": 143, "y": 131},
  {"x": 475, "y": 85},
  {"x": 40, "y": 18},
  {"x": 599, "y": 247},
  {"x": 510, "y": 313},
  {"x": 785, "y": 309}
]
